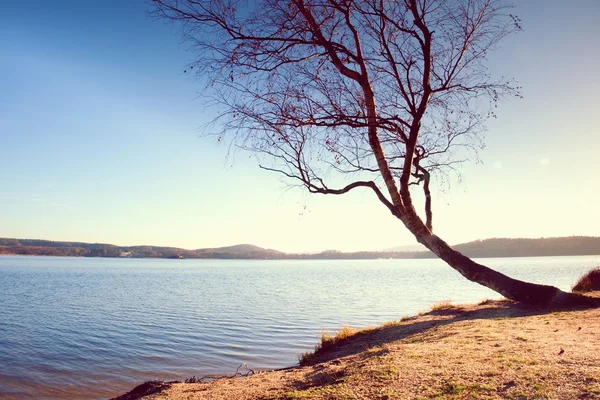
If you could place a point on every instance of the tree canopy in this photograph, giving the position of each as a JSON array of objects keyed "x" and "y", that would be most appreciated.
[{"x": 387, "y": 91}]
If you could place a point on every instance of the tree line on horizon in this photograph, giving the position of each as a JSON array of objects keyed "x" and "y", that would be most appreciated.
[{"x": 496, "y": 247}]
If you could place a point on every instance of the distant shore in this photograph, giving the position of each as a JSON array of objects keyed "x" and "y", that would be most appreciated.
[
  {"x": 488, "y": 248},
  {"x": 492, "y": 350}
]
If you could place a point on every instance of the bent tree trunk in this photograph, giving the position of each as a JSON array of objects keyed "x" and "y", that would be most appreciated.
[{"x": 514, "y": 289}]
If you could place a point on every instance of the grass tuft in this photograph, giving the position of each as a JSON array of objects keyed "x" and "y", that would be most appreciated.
[
  {"x": 442, "y": 305},
  {"x": 450, "y": 388},
  {"x": 328, "y": 342},
  {"x": 588, "y": 282}
]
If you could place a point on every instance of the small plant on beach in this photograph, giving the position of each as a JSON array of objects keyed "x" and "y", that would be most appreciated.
[
  {"x": 328, "y": 342},
  {"x": 306, "y": 357},
  {"x": 588, "y": 282},
  {"x": 442, "y": 305},
  {"x": 450, "y": 388},
  {"x": 343, "y": 333}
]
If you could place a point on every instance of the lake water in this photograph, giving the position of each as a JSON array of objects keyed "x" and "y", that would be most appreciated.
[{"x": 78, "y": 328}]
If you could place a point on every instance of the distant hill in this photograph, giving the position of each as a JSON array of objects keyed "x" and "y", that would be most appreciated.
[
  {"x": 242, "y": 251},
  {"x": 410, "y": 247},
  {"x": 505, "y": 247},
  {"x": 498, "y": 247},
  {"x": 79, "y": 249},
  {"x": 561, "y": 246},
  {"x": 239, "y": 249}
]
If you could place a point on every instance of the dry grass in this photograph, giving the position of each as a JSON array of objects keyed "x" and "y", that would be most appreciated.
[
  {"x": 327, "y": 343},
  {"x": 588, "y": 282},
  {"x": 442, "y": 305},
  {"x": 495, "y": 350}
]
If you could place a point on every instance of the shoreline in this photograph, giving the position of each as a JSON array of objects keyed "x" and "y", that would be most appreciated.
[
  {"x": 494, "y": 349},
  {"x": 296, "y": 259}
]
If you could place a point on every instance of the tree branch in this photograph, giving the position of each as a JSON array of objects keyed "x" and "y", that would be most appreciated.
[{"x": 323, "y": 189}]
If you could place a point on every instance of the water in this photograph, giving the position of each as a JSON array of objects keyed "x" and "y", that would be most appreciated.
[{"x": 76, "y": 328}]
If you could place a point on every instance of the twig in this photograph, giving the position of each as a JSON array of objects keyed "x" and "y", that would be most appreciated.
[{"x": 212, "y": 377}]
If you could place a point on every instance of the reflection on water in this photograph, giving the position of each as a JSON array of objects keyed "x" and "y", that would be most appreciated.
[{"x": 94, "y": 328}]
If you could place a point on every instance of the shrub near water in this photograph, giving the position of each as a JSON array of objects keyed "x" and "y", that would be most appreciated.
[{"x": 589, "y": 282}]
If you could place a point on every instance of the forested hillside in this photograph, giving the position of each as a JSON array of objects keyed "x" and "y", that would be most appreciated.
[{"x": 563, "y": 246}]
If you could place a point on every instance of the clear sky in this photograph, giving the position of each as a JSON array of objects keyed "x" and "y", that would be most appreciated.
[{"x": 99, "y": 142}]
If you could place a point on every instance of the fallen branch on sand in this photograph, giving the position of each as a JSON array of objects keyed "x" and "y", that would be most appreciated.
[{"x": 212, "y": 377}]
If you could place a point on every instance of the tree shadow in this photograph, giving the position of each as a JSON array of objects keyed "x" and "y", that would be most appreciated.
[
  {"x": 372, "y": 338},
  {"x": 319, "y": 377}
]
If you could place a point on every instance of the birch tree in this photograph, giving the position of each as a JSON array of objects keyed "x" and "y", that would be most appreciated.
[{"x": 387, "y": 94}]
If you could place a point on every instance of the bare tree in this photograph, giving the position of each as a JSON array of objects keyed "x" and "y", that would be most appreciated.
[{"x": 389, "y": 93}]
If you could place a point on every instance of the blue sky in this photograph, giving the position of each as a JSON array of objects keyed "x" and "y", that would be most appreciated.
[{"x": 99, "y": 142}]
